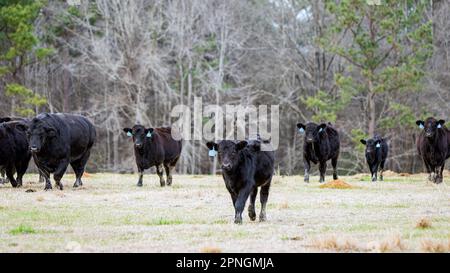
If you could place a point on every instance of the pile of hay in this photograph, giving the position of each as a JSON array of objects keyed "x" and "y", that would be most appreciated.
[{"x": 337, "y": 184}]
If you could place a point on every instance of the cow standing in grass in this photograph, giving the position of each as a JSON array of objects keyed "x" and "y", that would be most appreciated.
[
  {"x": 321, "y": 144},
  {"x": 155, "y": 147},
  {"x": 3, "y": 178},
  {"x": 14, "y": 153},
  {"x": 245, "y": 168},
  {"x": 57, "y": 140},
  {"x": 433, "y": 145},
  {"x": 376, "y": 153}
]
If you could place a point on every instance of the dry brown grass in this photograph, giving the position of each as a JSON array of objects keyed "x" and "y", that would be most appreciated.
[
  {"x": 284, "y": 205},
  {"x": 404, "y": 174},
  {"x": 432, "y": 246},
  {"x": 392, "y": 244},
  {"x": 389, "y": 173},
  {"x": 424, "y": 223},
  {"x": 337, "y": 184},
  {"x": 333, "y": 243},
  {"x": 210, "y": 250}
]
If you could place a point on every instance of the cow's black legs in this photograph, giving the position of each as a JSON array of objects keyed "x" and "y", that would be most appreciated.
[
  {"x": 430, "y": 171},
  {"x": 10, "y": 174},
  {"x": 334, "y": 164},
  {"x": 307, "y": 169},
  {"x": 78, "y": 167},
  {"x": 2, "y": 176},
  {"x": 374, "y": 171},
  {"x": 322, "y": 169},
  {"x": 382, "y": 169},
  {"x": 46, "y": 176},
  {"x": 159, "y": 171},
  {"x": 264, "y": 196},
  {"x": 240, "y": 202},
  {"x": 168, "y": 169},
  {"x": 21, "y": 170},
  {"x": 251, "y": 206},
  {"x": 439, "y": 176},
  {"x": 59, "y": 173},
  {"x": 141, "y": 176}
]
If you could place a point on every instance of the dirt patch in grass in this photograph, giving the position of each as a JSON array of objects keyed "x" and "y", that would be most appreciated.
[{"x": 337, "y": 184}]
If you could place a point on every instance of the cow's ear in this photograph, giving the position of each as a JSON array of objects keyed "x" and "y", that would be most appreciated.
[
  {"x": 363, "y": 141},
  {"x": 421, "y": 124},
  {"x": 128, "y": 131},
  {"x": 51, "y": 132},
  {"x": 322, "y": 127},
  {"x": 7, "y": 119},
  {"x": 149, "y": 132},
  {"x": 22, "y": 127},
  {"x": 211, "y": 145},
  {"x": 241, "y": 145},
  {"x": 440, "y": 123},
  {"x": 301, "y": 128}
]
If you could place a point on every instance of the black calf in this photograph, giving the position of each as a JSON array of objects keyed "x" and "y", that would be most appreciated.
[
  {"x": 376, "y": 153},
  {"x": 245, "y": 168}
]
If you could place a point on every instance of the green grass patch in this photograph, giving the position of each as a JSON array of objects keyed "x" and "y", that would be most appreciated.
[
  {"x": 164, "y": 222},
  {"x": 22, "y": 229}
]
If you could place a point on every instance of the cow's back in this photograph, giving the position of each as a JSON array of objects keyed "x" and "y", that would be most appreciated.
[
  {"x": 334, "y": 142},
  {"x": 76, "y": 133},
  {"x": 169, "y": 147},
  {"x": 265, "y": 161}
]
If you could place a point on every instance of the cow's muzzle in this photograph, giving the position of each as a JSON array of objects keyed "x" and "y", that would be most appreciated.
[
  {"x": 226, "y": 166},
  {"x": 34, "y": 149}
]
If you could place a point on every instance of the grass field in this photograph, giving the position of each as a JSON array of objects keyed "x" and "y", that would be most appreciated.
[{"x": 111, "y": 214}]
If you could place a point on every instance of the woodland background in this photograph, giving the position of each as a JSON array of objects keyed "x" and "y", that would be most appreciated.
[{"x": 366, "y": 68}]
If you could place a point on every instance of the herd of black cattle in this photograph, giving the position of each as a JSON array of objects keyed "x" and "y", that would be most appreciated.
[{"x": 57, "y": 140}]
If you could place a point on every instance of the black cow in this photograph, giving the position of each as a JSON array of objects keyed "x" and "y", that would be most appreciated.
[
  {"x": 57, "y": 140},
  {"x": 433, "y": 145},
  {"x": 14, "y": 153},
  {"x": 245, "y": 168},
  {"x": 3, "y": 179},
  {"x": 155, "y": 147},
  {"x": 321, "y": 144},
  {"x": 376, "y": 153}
]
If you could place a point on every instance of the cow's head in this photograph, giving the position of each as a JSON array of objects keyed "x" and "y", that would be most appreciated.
[
  {"x": 39, "y": 133},
  {"x": 430, "y": 126},
  {"x": 140, "y": 135},
  {"x": 372, "y": 145},
  {"x": 228, "y": 152},
  {"x": 312, "y": 131}
]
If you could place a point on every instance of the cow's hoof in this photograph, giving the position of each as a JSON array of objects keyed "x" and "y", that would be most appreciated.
[
  {"x": 76, "y": 185},
  {"x": 306, "y": 181},
  {"x": 238, "y": 221},
  {"x": 169, "y": 183},
  {"x": 262, "y": 218},
  {"x": 438, "y": 180},
  {"x": 162, "y": 184},
  {"x": 19, "y": 185},
  {"x": 374, "y": 180},
  {"x": 47, "y": 188},
  {"x": 252, "y": 215},
  {"x": 139, "y": 184}
]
